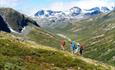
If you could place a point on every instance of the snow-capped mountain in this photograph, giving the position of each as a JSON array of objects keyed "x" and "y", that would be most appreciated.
[
  {"x": 52, "y": 19},
  {"x": 40, "y": 13},
  {"x": 92, "y": 12},
  {"x": 49, "y": 13},
  {"x": 105, "y": 9},
  {"x": 72, "y": 12}
]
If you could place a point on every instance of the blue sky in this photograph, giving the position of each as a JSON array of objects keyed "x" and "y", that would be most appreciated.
[{"x": 29, "y": 7}]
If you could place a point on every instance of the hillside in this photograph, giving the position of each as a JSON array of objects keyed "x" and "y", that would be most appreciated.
[
  {"x": 98, "y": 36},
  {"x": 18, "y": 24},
  {"x": 39, "y": 49},
  {"x": 43, "y": 37},
  {"x": 19, "y": 54}
]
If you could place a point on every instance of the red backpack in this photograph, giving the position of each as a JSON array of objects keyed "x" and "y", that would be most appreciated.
[
  {"x": 81, "y": 47},
  {"x": 63, "y": 42}
]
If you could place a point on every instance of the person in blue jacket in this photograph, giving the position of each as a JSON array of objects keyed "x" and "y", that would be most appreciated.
[{"x": 73, "y": 46}]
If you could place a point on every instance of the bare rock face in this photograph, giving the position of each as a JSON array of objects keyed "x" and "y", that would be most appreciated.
[
  {"x": 3, "y": 25},
  {"x": 16, "y": 20}
]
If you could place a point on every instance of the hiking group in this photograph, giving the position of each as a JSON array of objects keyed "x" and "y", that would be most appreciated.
[{"x": 75, "y": 48}]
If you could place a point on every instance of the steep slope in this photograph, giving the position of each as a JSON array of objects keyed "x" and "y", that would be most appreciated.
[
  {"x": 19, "y": 54},
  {"x": 15, "y": 20},
  {"x": 3, "y": 25},
  {"x": 98, "y": 35},
  {"x": 43, "y": 37}
]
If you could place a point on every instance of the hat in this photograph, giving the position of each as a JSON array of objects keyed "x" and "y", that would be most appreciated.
[{"x": 78, "y": 44}]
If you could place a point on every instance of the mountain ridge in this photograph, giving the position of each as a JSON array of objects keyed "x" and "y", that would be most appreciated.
[
  {"x": 60, "y": 19},
  {"x": 15, "y": 20},
  {"x": 74, "y": 11}
]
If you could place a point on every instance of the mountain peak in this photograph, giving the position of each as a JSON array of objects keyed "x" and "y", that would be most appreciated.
[
  {"x": 105, "y": 9},
  {"x": 75, "y": 11},
  {"x": 15, "y": 20},
  {"x": 40, "y": 13}
]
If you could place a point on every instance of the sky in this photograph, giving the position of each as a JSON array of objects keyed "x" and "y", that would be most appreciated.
[{"x": 30, "y": 7}]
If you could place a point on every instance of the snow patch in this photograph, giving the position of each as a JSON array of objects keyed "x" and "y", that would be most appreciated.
[{"x": 12, "y": 30}]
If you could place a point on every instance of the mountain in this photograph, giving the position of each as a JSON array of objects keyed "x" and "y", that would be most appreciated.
[
  {"x": 39, "y": 49},
  {"x": 19, "y": 54},
  {"x": 75, "y": 11},
  {"x": 49, "y": 13},
  {"x": 95, "y": 33},
  {"x": 96, "y": 10},
  {"x": 92, "y": 12},
  {"x": 20, "y": 25},
  {"x": 3, "y": 25},
  {"x": 61, "y": 19},
  {"x": 98, "y": 36},
  {"x": 105, "y": 9},
  {"x": 113, "y": 8},
  {"x": 40, "y": 13},
  {"x": 14, "y": 20}
]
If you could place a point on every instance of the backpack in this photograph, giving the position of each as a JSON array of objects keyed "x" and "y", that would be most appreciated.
[
  {"x": 73, "y": 45},
  {"x": 81, "y": 47},
  {"x": 62, "y": 42}
]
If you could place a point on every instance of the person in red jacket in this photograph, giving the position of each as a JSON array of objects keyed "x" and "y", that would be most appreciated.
[{"x": 62, "y": 43}]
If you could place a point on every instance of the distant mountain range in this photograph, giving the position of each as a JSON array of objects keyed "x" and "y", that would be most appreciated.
[
  {"x": 75, "y": 11},
  {"x": 61, "y": 19}
]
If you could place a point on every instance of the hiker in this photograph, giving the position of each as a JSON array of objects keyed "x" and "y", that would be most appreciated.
[
  {"x": 73, "y": 46},
  {"x": 62, "y": 43},
  {"x": 77, "y": 50},
  {"x": 81, "y": 49}
]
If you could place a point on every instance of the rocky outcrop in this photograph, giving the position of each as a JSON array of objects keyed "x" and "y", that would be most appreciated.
[
  {"x": 16, "y": 20},
  {"x": 3, "y": 25}
]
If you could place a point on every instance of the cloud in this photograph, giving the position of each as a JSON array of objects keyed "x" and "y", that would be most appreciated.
[
  {"x": 9, "y": 3},
  {"x": 57, "y": 6},
  {"x": 84, "y": 4},
  {"x": 30, "y": 11},
  {"x": 25, "y": 7}
]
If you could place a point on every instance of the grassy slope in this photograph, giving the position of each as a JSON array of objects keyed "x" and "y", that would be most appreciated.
[
  {"x": 98, "y": 36},
  {"x": 43, "y": 37},
  {"x": 17, "y": 54},
  {"x": 47, "y": 38}
]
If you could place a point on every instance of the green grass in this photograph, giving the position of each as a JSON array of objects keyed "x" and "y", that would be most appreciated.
[
  {"x": 90, "y": 29},
  {"x": 16, "y": 54},
  {"x": 99, "y": 50},
  {"x": 45, "y": 38}
]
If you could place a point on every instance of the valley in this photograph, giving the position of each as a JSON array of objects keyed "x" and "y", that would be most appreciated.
[{"x": 33, "y": 43}]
